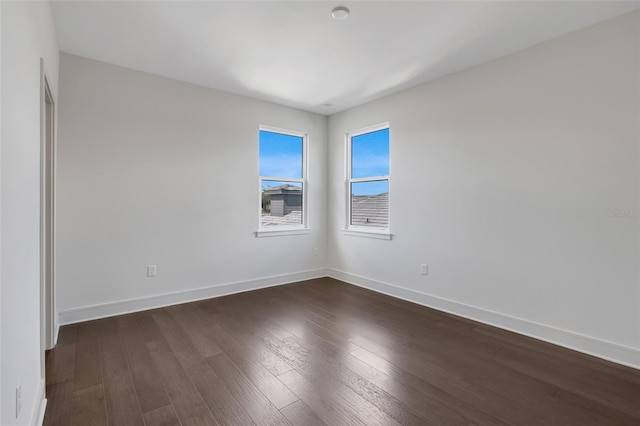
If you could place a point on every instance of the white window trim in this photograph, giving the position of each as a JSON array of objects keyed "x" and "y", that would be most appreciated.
[
  {"x": 283, "y": 232},
  {"x": 365, "y": 231},
  {"x": 303, "y": 228},
  {"x": 378, "y": 235}
]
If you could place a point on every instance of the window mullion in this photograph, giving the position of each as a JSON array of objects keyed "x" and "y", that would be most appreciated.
[
  {"x": 369, "y": 179},
  {"x": 282, "y": 179}
]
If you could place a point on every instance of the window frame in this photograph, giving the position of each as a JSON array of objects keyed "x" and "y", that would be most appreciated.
[
  {"x": 378, "y": 232},
  {"x": 279, "y": 230}
]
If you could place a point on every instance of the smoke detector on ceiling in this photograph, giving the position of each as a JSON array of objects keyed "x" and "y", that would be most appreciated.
[{"x": 340, "y": 13}]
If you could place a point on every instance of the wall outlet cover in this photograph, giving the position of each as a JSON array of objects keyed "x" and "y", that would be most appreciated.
[{"x": 424, "y": 269}]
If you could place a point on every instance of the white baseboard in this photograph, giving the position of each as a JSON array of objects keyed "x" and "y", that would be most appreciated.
[
  {"x": 87, "y": 313},
  {"x": 610, "y": 351},
  {"x": 56, "y": 331},
  {"x": 40, "y": 406}
]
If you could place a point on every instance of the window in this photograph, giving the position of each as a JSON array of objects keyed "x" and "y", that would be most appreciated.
[
  {"x": 368, "y": 180},
  {"x": 282, "y": 181}
]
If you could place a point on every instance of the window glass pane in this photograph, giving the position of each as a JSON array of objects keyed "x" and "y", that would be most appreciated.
[
  {"x": 370, "y": 154},
  {"x": 370, "y": 203},
  {"x": 280, "y": 155},
  {"x": 281, "y": 203}
]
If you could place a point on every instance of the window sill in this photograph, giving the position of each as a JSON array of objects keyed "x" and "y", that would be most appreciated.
[
  {"x": 282, "y": 232},
  {"x": 379, "y": 235}
]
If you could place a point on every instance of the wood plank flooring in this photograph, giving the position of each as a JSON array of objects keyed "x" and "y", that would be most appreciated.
[{"x": 324, "y": 352}]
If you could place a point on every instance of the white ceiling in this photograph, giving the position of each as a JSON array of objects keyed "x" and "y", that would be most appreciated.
[{"x": 294, "y": 53}]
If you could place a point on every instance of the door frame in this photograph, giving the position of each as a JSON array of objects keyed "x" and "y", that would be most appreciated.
[{"x": 47, "y": 213}]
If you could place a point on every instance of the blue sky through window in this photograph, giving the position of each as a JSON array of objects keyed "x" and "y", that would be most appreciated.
[
  {"x": 370, "y": 158},
  {"x": 370, "y": 188},
  {"x": 280, "y": 155}
]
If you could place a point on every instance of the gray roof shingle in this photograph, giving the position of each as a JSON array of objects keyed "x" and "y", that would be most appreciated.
[{"x": 370, "y": 210}]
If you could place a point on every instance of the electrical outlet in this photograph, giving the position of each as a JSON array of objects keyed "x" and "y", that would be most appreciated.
[
  {"x": 315, "y": 251},
  {"x": 424, "y": 269},
  {"x": 18, "y": 400},
  {"x": 151, "y": 270}
]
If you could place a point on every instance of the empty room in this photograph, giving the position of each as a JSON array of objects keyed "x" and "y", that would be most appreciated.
[{"x": 319, "y": 213}]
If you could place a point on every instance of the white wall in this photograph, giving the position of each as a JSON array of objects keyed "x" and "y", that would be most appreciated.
[
  {"x": 27, "y": 35},
  {"x": 501, "y": 177},
  {"x": 156, "y": 171}
]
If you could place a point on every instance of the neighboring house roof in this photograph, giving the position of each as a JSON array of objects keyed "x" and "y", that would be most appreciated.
[
  {"x": 291, "y": 189},
  {"x": 366, "y": 210},
  {"x": 370, "y": 210},
  {"x": 293, "y": 218}
]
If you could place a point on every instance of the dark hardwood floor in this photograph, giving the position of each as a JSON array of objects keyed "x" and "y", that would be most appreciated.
[{"x": 324, "y": 352}]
